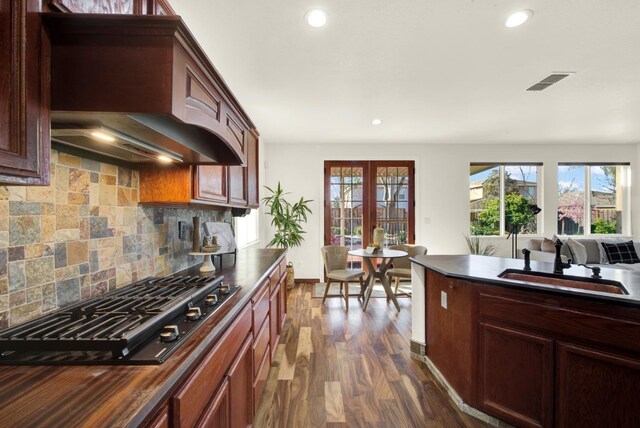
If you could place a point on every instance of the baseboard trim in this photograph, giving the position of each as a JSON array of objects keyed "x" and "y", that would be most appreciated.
[
  {"x": 418, "y": 350},
  {"x": 458, "y": 400},
  {"x": 311, "y": 280}
]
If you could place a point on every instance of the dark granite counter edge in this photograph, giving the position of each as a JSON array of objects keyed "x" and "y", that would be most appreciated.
[
  {"x": 630, "y": 300},
  {"x": 147, "y": 410}
]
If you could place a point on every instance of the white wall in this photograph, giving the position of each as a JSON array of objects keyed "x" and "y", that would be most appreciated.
[{"x": 442, "y": 186}]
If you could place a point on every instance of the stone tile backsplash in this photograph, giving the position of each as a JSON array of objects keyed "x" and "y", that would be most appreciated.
[{"x": 83, "y": 235}]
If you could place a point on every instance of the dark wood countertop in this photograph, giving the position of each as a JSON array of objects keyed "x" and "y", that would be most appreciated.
[
  {"x": 118, "y": 396},
  {"x": 486, "y": 269}
]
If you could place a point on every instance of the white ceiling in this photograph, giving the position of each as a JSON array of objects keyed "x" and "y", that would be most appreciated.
[{"x": 437, "y": 71}]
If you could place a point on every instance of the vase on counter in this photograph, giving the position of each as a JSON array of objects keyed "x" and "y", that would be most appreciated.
[{"x": 197, "y": 238}]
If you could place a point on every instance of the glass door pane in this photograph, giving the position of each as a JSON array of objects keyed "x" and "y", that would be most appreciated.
[
  {"x": 346, "y": 214},
  {"x": 392, "y": 203}
]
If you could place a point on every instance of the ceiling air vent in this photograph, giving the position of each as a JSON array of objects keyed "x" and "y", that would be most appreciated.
[{"x": 549, "y": 80}]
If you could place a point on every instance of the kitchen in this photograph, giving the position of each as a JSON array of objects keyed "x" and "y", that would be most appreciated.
[{"x": 122, "y": 141}]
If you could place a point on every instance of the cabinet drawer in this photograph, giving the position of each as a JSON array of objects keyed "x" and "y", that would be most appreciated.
[
  {"x": 260, "y": 308},
  {"x": 192, "y": 398},
  {"x": 261, "y": 380},
  {"x": 260, "y": 346}
]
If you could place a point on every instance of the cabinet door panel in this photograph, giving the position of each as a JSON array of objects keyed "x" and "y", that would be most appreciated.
[
  {"x": 237, "y": 186},
  {"x": 274, "y": 319},
  {"x": 217, "y": 414},
  {"x": 211, "y": 183},
  {"x": 25, "y": 103},
  {"x": 282, "y": 304},
  {"x": 516, "y": 375},
  {"x": 596, "y": 389},
  {"x": 241, "y": 387}
]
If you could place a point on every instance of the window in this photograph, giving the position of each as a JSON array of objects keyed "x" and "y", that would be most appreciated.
[
  {"x": 246, "y": 229},
  {"x": 592, "y": 199},
  {"x": 501, "y": 197}
]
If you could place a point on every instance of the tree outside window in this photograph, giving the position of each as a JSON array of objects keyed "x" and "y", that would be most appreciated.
[
  {"x": 500, "y": 197},
  {"x": 591, "y": 199}
]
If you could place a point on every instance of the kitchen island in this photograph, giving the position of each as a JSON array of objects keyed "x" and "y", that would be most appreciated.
[
  {"x": 525, "y": 352},
  {"x": 228, "y": 355}
]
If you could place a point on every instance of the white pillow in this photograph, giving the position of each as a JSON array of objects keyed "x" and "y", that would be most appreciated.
[
  {"x": 603, "y": 254},
  {"x": 578, "y": 251}
]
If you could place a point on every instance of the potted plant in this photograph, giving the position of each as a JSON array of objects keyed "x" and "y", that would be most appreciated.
[
  {"x": 287, "y": 218},
  {"x": 476, "y": 247}
]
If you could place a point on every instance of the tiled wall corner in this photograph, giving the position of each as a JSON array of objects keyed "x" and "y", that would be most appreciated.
[{"x": 83, "y": 235}]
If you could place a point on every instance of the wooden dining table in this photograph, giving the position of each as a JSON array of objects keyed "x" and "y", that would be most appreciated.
[{"x": 378, "y": 272}]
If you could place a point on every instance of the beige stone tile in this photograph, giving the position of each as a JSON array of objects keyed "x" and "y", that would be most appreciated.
[
  {"x": 107, "y": 258},
  {"x": 48, "y": 208},
  {"x": 109, "y": 180},
  {"x": 123, "y": 275},
  {"x": 77, "y": 252},
  {"x": 37, "y": 250},
  {"x": 109, "y": 213},
  {"x": 4, "y": 302},
  {"x": 67, "y": 217},
  {"x": 130, "y": 217},
  {"x": 107, "y": 195},
  {"x": 40, "y": 193},
  {"x": 17, "y": 193},
  {"x": 65, "y": 235},
  {"x": 67, "y": 272},
  {"x": 4, "y": 193},
  {"x": 78, "y": 180},
  {"x": 62, "y": 198},
  {"x": 134, "y": 196},
  {"x": 107, "y": 168},
  {"x": 78, "y": 199},
  {"x": 48, "y": 226},
  {"x": 62, "y": 179},
  {"x": 124, "y": 196},
  {"x": 94, "y": 194},
  {"x": 4, "y": 215},
  {"x": 25, "y": 313},
  {"x": 54, "y": 157},
  {"x": 69, "y": 160}
]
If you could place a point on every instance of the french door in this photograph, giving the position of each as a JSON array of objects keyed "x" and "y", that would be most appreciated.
[{"x": 360, "y": 195}]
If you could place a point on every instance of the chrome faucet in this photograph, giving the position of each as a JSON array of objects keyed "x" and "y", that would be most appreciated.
[
  {"x": 527, "y": 259},
  {"x": 558, "y": 265}
]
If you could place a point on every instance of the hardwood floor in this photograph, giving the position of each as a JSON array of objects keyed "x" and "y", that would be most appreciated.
[{"x": 339, "y": 369}]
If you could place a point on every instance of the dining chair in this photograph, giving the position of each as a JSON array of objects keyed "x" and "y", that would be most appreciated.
[
  {"x": 336, "y": 269},
  {"x": 402, "y": 266}
]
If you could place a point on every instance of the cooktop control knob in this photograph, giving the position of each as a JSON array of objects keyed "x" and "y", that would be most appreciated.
[
  {"x": 224, "y": 289},
  {"x": 211, "y": 300},
  {"x": 169, "y": 333},
  {"x": 194, "y": 314}
]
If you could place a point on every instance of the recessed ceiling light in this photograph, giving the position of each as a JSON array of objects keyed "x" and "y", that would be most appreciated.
[
  {"x": 518, "y": 18},
  {"x": 316, "y": 18},
  {"x": 103, "y": 136},
  {"x": 165, "y": 159},
  {"x": 376, "y": 122}
]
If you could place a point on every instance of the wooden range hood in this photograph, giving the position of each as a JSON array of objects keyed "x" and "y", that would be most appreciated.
[{"x": 142, "y": 79}]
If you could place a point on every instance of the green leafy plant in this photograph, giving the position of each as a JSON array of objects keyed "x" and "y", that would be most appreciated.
[
  {"x": 602, "y": 226},
  {"x": 475, "y": 247},
  {"x": 287, "y": 218}
]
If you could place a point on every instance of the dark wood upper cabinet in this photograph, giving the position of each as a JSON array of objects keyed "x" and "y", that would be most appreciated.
[
  {"x": 211, "y": 183},
  {"x": 25, "y": 86},
  {"x": 252, "y": 171}
]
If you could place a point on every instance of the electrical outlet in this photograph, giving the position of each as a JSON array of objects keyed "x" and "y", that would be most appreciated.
[
  {"x": 443, "y": 299},
  {"x": 182, "y": 230}
]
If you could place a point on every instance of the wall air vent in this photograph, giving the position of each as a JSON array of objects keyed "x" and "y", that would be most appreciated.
[{"x": 549, "y": 80}]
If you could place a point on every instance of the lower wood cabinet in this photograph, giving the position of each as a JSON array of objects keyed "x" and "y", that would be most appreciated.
[
  {"x": 240, "y": 379},
  {"x": 224, "y": 389},
  {"x": 218, "y": 413},
  {"x": 516, "y": 375}
]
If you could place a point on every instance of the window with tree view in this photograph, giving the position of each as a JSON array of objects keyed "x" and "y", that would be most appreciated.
[
  {"x": 592, "y": 199},
  {"x": 501, "y": 197}
]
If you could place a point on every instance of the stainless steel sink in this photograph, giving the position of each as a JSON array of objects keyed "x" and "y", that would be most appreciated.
[{"x": 582, "y": 283}]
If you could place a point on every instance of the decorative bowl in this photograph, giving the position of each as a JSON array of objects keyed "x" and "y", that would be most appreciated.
[{"x": 210, "y": 249}]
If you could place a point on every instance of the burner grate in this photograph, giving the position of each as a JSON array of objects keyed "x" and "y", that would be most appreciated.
[{"x": 116, "y": 322}]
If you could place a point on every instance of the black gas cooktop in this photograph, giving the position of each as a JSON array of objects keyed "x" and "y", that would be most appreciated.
[{"x": 143, "y": 323}]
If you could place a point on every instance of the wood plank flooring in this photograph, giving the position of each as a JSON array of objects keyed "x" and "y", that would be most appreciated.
[{"x": 335, "y": 368}]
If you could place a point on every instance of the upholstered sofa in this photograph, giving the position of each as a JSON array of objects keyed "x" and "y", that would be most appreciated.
[{"x": 593, "y": 248}]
